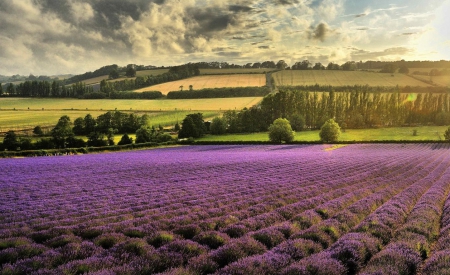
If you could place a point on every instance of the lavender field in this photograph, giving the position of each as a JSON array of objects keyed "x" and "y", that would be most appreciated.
[{"x": 287, "y": 209}]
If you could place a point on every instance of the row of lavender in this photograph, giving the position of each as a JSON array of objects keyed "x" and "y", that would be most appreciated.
[{"x": 230, "y": 210}]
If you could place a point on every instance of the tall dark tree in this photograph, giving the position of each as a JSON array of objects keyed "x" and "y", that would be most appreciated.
[
  {"x": 125, "y": 140},
  {"x": 131, "y": 71},
  {"x": 114, "y": 74},
  {"x": 11, "y": 141},
  {"x": 188, "y": 129},
  {"x": 89, "y": 124},
  {"x": 62, "y": 132},
  {"x": 318, "y": 66},
  {"x": 281, "y": 65},
  {"x": 11, "y": 89},
  {"x": 1, "y": 89},
  {"x": 403, "y": 70},
  {"x": 144, "y": 134},
  {"x": 79, "y": 126},
  {"x": 218, "y": 126}
]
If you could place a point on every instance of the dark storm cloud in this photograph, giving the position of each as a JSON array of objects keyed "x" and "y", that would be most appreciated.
[
  {"x": 211, "y": 19},
  {"x": 319, "y": 32},
  {"x": 285, "y": 2},
  {"x": 239, "y": 8}
]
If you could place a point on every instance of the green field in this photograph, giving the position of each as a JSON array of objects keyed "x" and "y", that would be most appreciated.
[
  {"x": 236, "y": 71},
  {"x": 25, "y": 113},
  {"x": 395, "y": 133},
  {"x": 343, "y": 78},
  {"x": 19, "y": 120},
  {"x": 127, "y": 104}
]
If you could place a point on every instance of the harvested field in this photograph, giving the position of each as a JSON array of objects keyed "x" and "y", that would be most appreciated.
[
  {"x": 210, "y": 81},
  {"x": 235, "y": 71},
  {"x": 343, "y": 78},
  {"x": 441, "y": 80},
  {"x": 69, "y": 104}
]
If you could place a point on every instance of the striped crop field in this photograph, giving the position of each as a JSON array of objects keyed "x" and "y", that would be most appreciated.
[
  {"x": 343, "y": 78},
  {"x": 289, "y": 209},
  {"x": 63, "y": 104},
  {"x": 210, "y": 81},
  {"x": 236, "y": 71},
  {"x": 441, "y": 80}
]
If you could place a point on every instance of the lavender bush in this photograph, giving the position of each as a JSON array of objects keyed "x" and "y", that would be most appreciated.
[{"x": 286, "y": 209}]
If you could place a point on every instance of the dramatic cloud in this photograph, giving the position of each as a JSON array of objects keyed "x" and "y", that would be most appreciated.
[
  {"x": 319, "y": 32},
  {"x": 75, "y": 36}
]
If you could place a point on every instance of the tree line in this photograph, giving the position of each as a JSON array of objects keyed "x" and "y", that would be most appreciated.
[
  {"x": 353, "y": 107},
  {"x": 99, "y": 131},
  {"x": 81, "y": 90}
]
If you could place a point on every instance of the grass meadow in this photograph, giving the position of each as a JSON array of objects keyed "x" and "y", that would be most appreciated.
[
  {"x": 210, "y": 81},
  {"x": 343, "y": 78},
  {"x": 394, "y": 133},
  {"x": 21, "y": 113},
  {"x": 17, "y": 120},
  {"x": 67, "y": 104}
]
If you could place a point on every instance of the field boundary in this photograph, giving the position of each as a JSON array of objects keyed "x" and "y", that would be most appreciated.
[{"x": 317, "y": 142}]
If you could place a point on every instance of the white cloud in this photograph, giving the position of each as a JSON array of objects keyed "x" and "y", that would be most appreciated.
[{"x": 82, "y": 12}]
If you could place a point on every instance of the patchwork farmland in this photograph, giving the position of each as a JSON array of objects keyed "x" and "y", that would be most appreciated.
[
  {"x": 21, "y": 113},
  {"x": 290, "y": 209},
  {"x": 343, "y": 78},
  {"x": 210, "y": 81}
]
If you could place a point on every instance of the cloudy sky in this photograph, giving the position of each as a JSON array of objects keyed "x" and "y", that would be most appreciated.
[{"x": 49, "y": 37}]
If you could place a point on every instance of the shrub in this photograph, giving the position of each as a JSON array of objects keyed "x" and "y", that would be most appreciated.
[
  {"x": 88, "y": 233},
  {"x": 354, "y": 250},
  {"x": 134, "y": 233},
  {"x": 281, "y": 131},
  {"x": 212, "y": 239},
  {"x": 108, "y": 240},
  {"x": 269, "y": 237},
  {"x": 186, "y": 248},
  {"x": 298, "y": 249},
  {"x": 330, "y": 131},
  {"x": 62, "y": 240},
  {"x": 160, "y": 238},
  {"x": 203, "y": 264},
  {"x": 125, "y": 140},
  {"x": 236, "y": 230},
  {"x": 237, "y": 249},
  {"x": 317, "y": 264},
  {"x": 397, "y": 257},
  {"x": 188, "y": 231}
]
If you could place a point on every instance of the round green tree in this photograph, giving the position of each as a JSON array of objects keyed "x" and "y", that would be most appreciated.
[
  {"x": 280, "y": 131},
  {"x": 330, "y": 131},
  {"x": 218, "y": 126}
]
